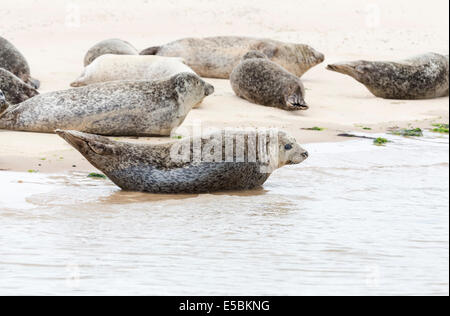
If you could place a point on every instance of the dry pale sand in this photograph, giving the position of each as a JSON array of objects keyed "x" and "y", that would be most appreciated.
[{"x": 54, "y": 36}]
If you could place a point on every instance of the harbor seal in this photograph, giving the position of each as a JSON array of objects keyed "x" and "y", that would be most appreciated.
[
  {"x": 110, "y": 46},
  {"x": 121, "y": 108},
  {"x": 421, "y": 77},
  {"x": 15, "y": 90},
  {"x": 130, "y": 67},
  {"x": 216, "y": 57},
  {"x": 158, "y": 169},
  {"x": 261, "y": 81},
  {"x": 11, "y": 59}
]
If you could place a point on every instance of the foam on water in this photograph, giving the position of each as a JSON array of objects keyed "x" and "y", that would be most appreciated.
[{"x": 352, "y": 219}]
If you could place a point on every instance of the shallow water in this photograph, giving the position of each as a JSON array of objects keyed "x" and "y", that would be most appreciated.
[{"x": 353, "y": 219}]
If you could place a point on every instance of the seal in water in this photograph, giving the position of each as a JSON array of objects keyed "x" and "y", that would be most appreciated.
[
  {"x": 216, "y": 57},
  {"x": 110, "y": 46},
  {"x": 159, "y": 169},
  {"x": 131, "y": 67},
  {"x": 16, "y": 90},
  {"x": 422, "y": 77},
  {"x": 13, "y": 61},
  {"x": 261, "y": 81},
  {"x": 120, "y": 108}
]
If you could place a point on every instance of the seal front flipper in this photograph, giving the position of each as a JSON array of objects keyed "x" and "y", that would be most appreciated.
[{"x": 4, "y": 105}]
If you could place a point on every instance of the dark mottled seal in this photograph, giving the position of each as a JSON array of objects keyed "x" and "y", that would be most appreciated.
[
  {"x": 156, "y": 168},
  {"x": 15, "y": 90},
  {"x": 216, "y": 57},
  {"x": 122, "y": 108},
  {"x": 11, "y": 59},
  {"x": 110, "y": 46},
  {"x": 261, "y": 81},
  {"x": 422, "y": 77}
]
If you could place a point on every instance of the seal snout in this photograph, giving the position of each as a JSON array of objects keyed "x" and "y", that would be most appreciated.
[
  {"x": 320, "y": 57},
  {"x": 209, "y": 89},
  {"x": 350, "y": 69}
]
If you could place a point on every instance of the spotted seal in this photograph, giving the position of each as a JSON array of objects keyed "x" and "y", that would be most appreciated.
[
  {"x": 421, "y": 77},
  {"x": 11, "y": 59},
  {"x": 261, "y": 81},
  {"x": 121, "y": 108},
  {"x": 130, "y": 67},
  {"x": 15, "y": 90},
  {"x": 159, "y": 169},
  {"x": 216, "y": 57},
  {"x": 110, "y": 46}
]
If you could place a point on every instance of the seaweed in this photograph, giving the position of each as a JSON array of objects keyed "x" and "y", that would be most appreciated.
[
  {"x": 414, "y": 132},
  {"x": 440, "y": 128},
  {"x": 315, "y": 128},
  {"x": 380, "y": 141},
  {"x": 96, "y": 175}
]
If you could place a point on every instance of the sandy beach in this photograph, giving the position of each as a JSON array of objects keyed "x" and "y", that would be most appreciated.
[{"x": 55, "y": 41}]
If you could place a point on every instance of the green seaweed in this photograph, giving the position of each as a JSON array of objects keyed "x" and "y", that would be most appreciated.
[
  {"x": 440, "y": 128},
  {"x": 177, "y": 137},
  {"x": 380, "y": 141},
  {"x": 315, "y": 128},
  {"x": 32, "y": 171},
  {"x": 96, "y": 175},
  {"x": 414, "y": 132}
]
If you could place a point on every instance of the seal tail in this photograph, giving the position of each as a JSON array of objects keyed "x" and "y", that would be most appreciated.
[{"x": 151, "y": 50}]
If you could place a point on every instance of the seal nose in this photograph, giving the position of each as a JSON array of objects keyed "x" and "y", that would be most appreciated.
[
  {"x": 209, "y": 89},
  {"x": 305, "y": 154},
  {"x": 319, "y": 56}
]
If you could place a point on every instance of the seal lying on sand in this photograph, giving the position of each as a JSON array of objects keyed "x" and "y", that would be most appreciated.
[
  {"x": 13, "y": 61},
  {"x": 158, "y": 169},
  {"x": 422, "y": 77},
  {"x": 216, "y": 57},
  {"x": 126, "y": 67},
  {"x": 261, "y": 81},
  {"x": 121, "y": 108},
  {"x": 16, "y": 90},
  {"x": 110, "y": 46}
]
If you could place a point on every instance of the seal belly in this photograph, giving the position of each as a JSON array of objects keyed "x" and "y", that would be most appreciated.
[{"x": 196, "y": 178}]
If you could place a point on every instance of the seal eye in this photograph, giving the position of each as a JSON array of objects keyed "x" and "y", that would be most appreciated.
[{"x": 288, "y": 147}]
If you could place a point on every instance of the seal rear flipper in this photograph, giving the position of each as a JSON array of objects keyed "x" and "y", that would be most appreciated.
[{"x": 151, "y": 50}]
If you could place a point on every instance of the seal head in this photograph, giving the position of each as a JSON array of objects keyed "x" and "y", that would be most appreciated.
[{"x": 110, "y": 46}]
